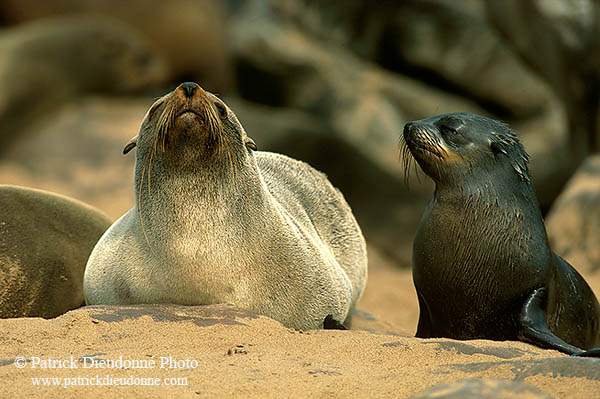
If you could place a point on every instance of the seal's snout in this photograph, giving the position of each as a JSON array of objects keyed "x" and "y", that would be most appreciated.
[
  {"x": 189, "y": 88},
  {"x": 407, "y": 129},
  {"x": 423, "y": 142}
]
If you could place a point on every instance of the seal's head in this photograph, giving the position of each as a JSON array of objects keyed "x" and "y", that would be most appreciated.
[
  {"x": 190, "y": 127},
  {"x": 461, "y": 147}
]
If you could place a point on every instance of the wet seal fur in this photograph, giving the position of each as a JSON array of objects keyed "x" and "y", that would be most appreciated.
[
  {"x": 45, "y": 242},
  {"x": 482, "y": 266},
  {"x": 216, "y": 221}
]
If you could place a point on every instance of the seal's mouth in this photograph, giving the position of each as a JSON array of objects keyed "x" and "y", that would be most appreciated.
[
  {"x": 186, "y": 112},
  {"x": 422, "y": 143},
  {"x": 427, "y": 151},
  {"x": 191, "y": 112}
]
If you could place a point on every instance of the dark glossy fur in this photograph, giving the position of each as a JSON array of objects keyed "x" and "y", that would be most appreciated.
[{"x": 482, "y": 265}]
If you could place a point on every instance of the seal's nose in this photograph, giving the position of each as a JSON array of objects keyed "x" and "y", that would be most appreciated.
[
  {"x": 189, "y": 88},
  {"x": 407, "y": 128}
]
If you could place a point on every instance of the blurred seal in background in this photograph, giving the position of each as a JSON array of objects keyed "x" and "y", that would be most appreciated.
[
  {"x": 45, "y": 241},
  {"x": 48, "y": 63}
]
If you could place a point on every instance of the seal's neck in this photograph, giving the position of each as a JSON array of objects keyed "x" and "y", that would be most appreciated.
[
  {"x": 203, "y": 200},
  {"x": 505, "y": 213},
  {"x": 504, "y": 202}
]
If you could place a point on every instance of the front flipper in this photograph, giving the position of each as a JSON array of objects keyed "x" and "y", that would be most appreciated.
[
  {"x": 534, "y": 329},
  {"x": 589, "y": 353},
  {"x": 424, "y": 329},
  {"x": 332, "y": 324}
]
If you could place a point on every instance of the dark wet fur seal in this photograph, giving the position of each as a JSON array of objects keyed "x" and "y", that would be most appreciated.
[
  {"x": 216, "y": 221},
  {"x": 45, "y": 241},
  {"x": 482, "y": 266}
]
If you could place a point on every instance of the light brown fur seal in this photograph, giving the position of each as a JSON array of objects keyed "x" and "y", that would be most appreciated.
[
  {"x": 216, "y": 221},
  {"x": 45, "y": 241}
]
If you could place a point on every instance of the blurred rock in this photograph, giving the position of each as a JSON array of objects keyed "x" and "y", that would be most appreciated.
[
  {"x": 48, "y": 63},
  {"x": 443, "y": 42},
  {"x": 545, "y": 138},
  {"x": 561, "y": 41},
  {"x": 280, "y": 65},
  {"x": 573, "y": 224},
  {"x": 191, "y": 35},
  {"x": 45, "y": 241}
]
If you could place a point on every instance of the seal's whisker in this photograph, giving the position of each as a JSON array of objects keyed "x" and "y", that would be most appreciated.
[
  {"x": 232, "y": 166},
  {"x": 140, "y": 205},
  {"x": 150, "y": 168},
  {"x": 406, "y": 158},
  {"x": 416, "y": 171},
  {"x": 248, "y": 199}
]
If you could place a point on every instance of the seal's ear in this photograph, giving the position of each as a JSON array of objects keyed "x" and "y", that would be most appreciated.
[
  {"x": 508, "y": 144},
  {"x": 497, "y": 148},
  {"x": 250, "y": 144},
  {"x": 130, "y": 144}
]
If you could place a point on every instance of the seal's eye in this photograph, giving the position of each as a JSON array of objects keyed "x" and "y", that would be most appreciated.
[
  {"x": 450, "y": 125},
  {"x": 448, "y": 129},
  {"x": 221, "y": 109}
]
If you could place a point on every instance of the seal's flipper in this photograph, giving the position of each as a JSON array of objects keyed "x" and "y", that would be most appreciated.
[
  {"x": 332, "y": 324},
  {"x": 534, "y": 329},
  {"x": 589, "y": 353},
  {"x": 424, "y": 329}
]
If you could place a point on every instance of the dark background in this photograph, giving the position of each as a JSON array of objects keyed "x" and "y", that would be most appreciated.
[{"x": 328, "y": 82}]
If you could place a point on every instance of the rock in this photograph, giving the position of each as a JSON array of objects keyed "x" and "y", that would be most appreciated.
[
  {"x": 482, "y": 389},
  {"x": 561, "y": 41},
  {"x": 45, "y": 241},
  {"x": 222, "y": 351},
  {"x": 48, "y": 63},
  {"x": 279, "y": 65},
  {"x": 444, "y": 43},
  {"x": 190, "y": 35},
  {"x": 545, "y": 138},
  {"x": 573, "y": 223}
]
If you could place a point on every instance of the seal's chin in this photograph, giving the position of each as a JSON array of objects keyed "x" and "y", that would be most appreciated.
[{"x": 190, "y": 121}]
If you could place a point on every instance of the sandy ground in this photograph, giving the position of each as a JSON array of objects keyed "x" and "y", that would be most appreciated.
[{"x": 220, "y": 351}]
